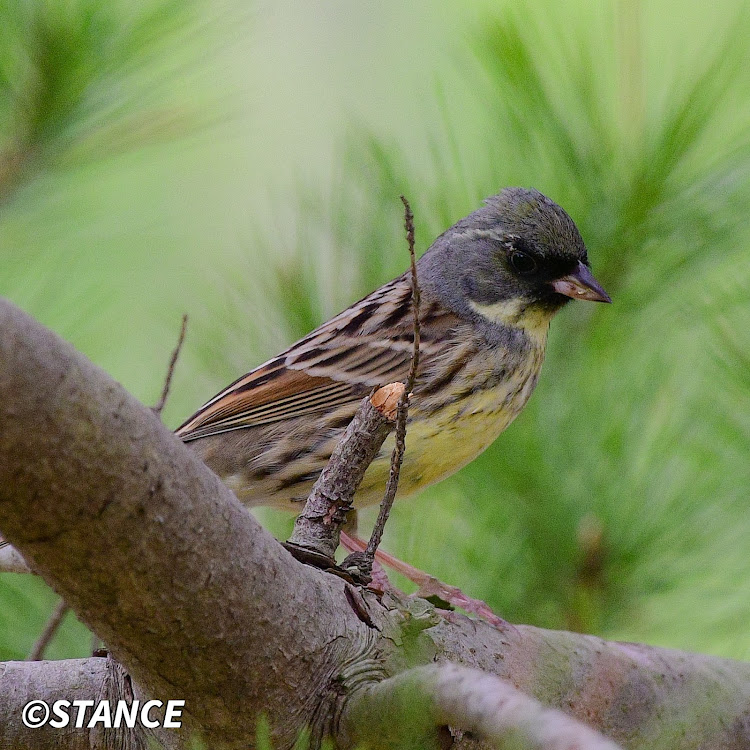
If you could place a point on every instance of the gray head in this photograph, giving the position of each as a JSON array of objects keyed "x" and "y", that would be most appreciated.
[{"x": 517, "y": 260}]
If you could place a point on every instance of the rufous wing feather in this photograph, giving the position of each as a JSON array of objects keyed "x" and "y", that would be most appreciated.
[{"x": 367, "y": 345}]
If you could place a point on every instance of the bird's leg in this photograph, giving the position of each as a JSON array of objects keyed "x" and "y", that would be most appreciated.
[{"x": 428, "y": 585}]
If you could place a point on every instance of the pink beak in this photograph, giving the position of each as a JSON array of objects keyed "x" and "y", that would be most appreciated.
[{"x": 581, "y": 284}]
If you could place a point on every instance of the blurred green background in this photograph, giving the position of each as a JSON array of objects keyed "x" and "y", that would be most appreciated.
[{"x": 242, "y": 163}]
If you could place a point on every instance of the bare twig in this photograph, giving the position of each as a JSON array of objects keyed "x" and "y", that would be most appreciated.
[
  {"x": 397, "y": 456},
  {"x": 170, "y": 370},
  {"x": 318, "y": 528},
  {"x": 56, "y": 618}
]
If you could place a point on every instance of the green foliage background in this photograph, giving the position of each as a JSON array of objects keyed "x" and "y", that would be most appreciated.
[{"x": 244, "y": 167}]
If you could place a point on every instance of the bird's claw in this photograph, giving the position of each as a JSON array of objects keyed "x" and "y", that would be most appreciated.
[{"x": 431, "y": 587}]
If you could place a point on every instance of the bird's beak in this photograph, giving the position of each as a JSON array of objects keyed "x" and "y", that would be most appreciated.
[{"x": 581, "y": 284}]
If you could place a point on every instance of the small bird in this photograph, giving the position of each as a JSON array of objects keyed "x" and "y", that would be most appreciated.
[{"x": 490, "y": 286}]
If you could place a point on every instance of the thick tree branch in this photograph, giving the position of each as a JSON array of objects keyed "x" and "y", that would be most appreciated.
[
  {"x": 413, "y": 705},
  {"x": 153, "y": 552},
  {"x": 199, "y": 603},
  {"x": 637, "y": 695}
]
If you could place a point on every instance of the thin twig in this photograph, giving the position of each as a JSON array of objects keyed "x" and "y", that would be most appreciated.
[
  {"x": 397, "y": 456},
  {"x": 170, "y": 371},
  {"x": 37, "y": 652},
  {"x": 317, "y": 529}
]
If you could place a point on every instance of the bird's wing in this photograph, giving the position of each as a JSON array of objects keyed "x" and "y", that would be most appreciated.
[{"x": 367, "y": 345}]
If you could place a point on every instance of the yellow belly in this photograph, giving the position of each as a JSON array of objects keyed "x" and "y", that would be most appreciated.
[{"x": 438, "y": 447}]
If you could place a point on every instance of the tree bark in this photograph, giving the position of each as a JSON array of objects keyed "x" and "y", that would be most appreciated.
[
  {"x": 489, "y": 708},
  {"x": 318, "y": 527},
  {"x": 154, "y": 553},
  {"x": 199, "y": 603}
]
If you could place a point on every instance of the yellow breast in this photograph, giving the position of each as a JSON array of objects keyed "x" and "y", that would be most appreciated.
[{"x": 441, "y": 444}]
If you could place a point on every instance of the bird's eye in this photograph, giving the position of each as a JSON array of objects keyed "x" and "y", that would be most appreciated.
[{"x": 522, "y": 262}]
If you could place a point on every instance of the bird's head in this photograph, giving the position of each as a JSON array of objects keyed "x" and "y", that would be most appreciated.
[{"x": 515, "y": 261}]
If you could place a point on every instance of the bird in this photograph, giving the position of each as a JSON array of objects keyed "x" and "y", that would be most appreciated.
[{"x": 490, "y": 285}]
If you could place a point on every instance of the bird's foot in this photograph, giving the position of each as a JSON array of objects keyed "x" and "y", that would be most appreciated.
[
  {"x": 364, "y": 571},
  {"x": 429, "y": 586},
  {"x": 355, "y": 569}
]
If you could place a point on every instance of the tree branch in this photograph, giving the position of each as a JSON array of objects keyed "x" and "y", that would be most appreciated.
[
  {"x": 154, "y": 553},
  {"x": 413, "y": 705},
  {"x": 158, "y": 408},
  {"x": 53, "y": 623},
  {"x": 318, "y": 527},
  {"x": 199, "y": 603},
  {"x": 397, "y": 456},
  {"x": 70, "y": 680}
]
